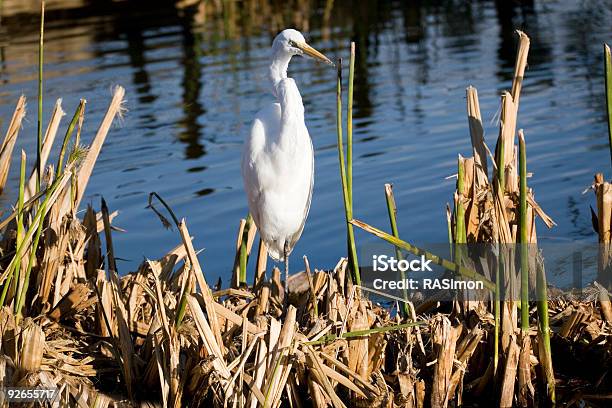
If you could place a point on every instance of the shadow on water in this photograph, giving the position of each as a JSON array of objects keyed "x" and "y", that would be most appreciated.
[
  {"x": 132, "y": 27},
  {"x": 191, "y": 84},
  {"x": 522, "y": 15}
]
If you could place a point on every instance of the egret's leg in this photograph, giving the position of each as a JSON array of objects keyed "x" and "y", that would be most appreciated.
[{"x": 286, "y": 253}]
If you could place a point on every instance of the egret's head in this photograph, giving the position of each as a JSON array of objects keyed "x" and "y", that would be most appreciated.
[{"x": 292, "y": 42}]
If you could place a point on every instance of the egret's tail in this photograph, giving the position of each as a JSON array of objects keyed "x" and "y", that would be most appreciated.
[{"x": 276, "y": 250}]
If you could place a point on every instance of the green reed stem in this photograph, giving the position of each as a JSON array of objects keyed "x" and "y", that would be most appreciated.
[
  {"x": 501, "y": 169},
  {"x": 349, "y": 127},
  {"x": 67, "y": 136},
  {"x": 40, "y": 95},
  {"x": 392, "y": 210},
  {"x": 349, "y": 163},
  {"x": 108, "y": 236},
  {"x": 499, "y": 271},
  {"x": 523, "y": 231},
  {"x": 243, "y": 250},
  {"x": 497, "y": 310},
  {"x": 608, "y": 80},
  {"x": 343, "y": 177},
  {"x": 460, "y": 232},
  {"x": 499, "y": 156},
  {"x": 361, "y": 333},
  {"x": 460, "y": 229},
  {"x": 20, "y": 205},
  {"x": 40, "y": 218},
  {"x": 19, "y": 229},
  {"x": 77, "y": 138},
  {"x": 182, "y": 308},
  {"x": 542, "y": 305},
  {"x": 75, "y": 148},
  {"x": 30, "y": 233},
  {"x": 24, "y": 289},
  {"x": 445, "y": 263}
]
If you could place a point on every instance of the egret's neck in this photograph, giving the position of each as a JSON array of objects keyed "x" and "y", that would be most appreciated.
[
  {"x": 292, "y": 127},
  {"x": 293, "y": 133},
  {"x": 278, "y": 68}
]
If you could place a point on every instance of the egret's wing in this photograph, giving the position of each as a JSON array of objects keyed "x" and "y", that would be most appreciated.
[
  {"x": 294, "y": 238},
  {"x": 265, "y": 125}
]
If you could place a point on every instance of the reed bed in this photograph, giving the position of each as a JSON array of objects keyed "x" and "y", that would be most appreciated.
[
  {"x": 163, "y": 336},
  {"x": 502, "y": 211}
]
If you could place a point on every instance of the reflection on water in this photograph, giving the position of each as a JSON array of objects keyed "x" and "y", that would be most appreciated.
[{"x": 195, "y": 74}]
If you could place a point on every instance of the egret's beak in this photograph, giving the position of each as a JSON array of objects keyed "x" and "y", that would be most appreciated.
[{"x": 311, "y": 52}]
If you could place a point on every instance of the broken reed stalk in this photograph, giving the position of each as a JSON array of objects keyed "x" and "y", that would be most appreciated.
[
  {"x": 87, "y": 165},
  {"x": 608, "y": 83},
  {"x": 519, "y": 66},
  {"x": 392, "y": 210},
  {"x": 313, "y": 296},
  {"x": 479, "y": 146},
  {"x": 40, "y": 95},
  {"x": 445, "y": 263},
  {"x": 343, "y": 177},
  {"x": 524, "y": 238},
  {"x": 8, "y": 144},
  {"x": 15, "y": 278},
  {"x": 262, "y": 263}
]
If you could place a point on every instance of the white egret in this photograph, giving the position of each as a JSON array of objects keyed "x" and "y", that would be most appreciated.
[{"x": 278, "y": 158}]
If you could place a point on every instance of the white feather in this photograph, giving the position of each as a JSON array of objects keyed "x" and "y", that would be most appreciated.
[{"x": 278, "y": 170}]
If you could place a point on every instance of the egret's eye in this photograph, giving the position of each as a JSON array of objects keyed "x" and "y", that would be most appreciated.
[{"x": 292, "y": 44}]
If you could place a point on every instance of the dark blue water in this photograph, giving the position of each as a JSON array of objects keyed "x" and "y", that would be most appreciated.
[{"x": 196, "y": 76}]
